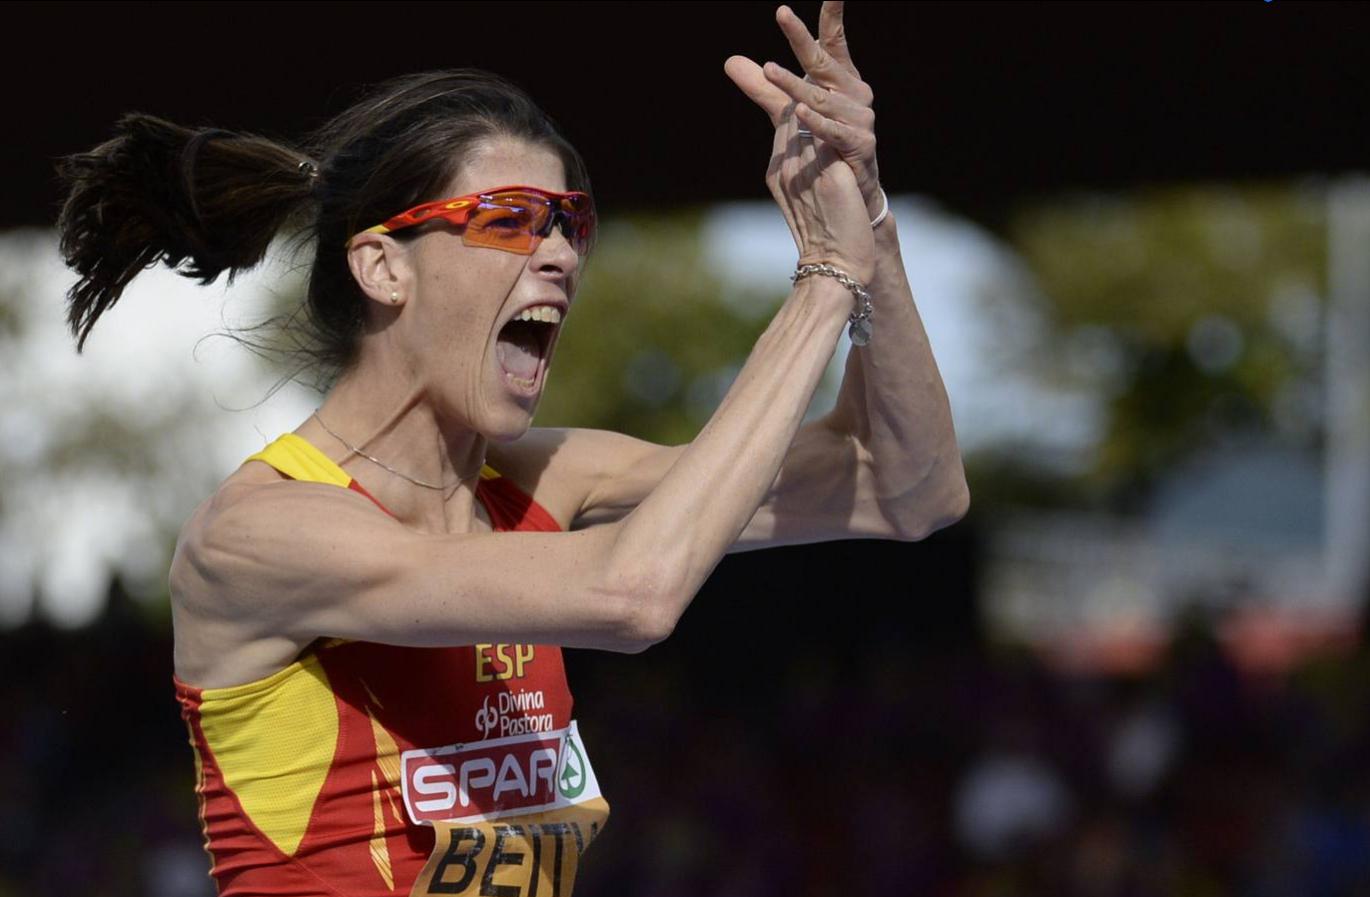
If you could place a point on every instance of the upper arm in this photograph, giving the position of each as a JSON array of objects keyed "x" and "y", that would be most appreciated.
[
  {"x": 824, "y": 490},
  {"x": 614, "y": 472},
  {"x": 308, "y": 560}
]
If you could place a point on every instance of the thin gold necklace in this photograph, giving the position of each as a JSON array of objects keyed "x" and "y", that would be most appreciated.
[{"x": 373, "y": 460}]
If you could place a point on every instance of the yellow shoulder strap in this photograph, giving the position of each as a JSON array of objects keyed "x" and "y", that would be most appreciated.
[{"x": 298, "y": 459}]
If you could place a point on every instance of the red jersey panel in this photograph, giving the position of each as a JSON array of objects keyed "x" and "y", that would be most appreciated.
[{"x": 368, "y": 769}]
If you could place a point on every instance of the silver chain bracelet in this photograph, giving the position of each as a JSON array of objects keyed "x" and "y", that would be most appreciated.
[{"x": 860, "y": 320}]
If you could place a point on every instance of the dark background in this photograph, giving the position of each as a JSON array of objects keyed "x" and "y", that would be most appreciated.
[{"x": 979, "y": 104}]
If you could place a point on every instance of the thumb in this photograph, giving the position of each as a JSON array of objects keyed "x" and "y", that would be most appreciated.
[{"x": 749, "y": 78}]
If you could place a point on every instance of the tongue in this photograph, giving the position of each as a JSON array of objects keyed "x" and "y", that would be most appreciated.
[{"x": 519, "y": 349}]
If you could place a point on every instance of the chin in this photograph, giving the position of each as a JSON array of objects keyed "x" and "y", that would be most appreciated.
[
  {"x": 510, "y": 429},
  {"x": 505, "y": 438}
]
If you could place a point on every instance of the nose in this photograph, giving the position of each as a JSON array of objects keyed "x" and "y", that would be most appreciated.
[{"x": 554, "y": 255}]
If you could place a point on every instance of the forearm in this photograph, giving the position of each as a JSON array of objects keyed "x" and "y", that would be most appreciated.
[
  {"x": 683, "y": 528},
  {"x": 893, "y": 403}
]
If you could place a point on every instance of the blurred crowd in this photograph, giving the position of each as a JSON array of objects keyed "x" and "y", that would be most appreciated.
[
  {"x": 859, "y": 752},
  {"x": 984, "y": 773}
]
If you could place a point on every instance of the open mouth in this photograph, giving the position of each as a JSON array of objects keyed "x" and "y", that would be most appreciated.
[{"x": 522, "y": 348}]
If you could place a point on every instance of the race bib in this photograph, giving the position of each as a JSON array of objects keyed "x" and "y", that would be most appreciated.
[{"x": 512, "y": 815}]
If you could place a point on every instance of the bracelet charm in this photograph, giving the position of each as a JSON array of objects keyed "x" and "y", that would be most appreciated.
[
  {"x": 860, "y": 320},
  {"x": 860, "y": 331}
]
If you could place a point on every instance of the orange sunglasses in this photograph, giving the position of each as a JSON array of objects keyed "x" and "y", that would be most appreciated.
[{"x": 514, "y": 219}]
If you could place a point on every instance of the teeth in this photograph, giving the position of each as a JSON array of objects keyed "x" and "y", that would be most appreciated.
[
  {"x": 547, "y": 314},
  {"x": 520, "y": 382}
]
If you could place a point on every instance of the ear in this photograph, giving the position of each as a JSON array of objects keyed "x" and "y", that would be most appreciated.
[{"x": 382, "y": 267}]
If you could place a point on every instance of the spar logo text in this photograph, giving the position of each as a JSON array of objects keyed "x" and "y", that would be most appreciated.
[
  {"x": 482, "y": 782},
  {"x": 501, "y": 777}
]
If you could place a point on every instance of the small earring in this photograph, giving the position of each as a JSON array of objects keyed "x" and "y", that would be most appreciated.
[{"x": 394, "y": 297}]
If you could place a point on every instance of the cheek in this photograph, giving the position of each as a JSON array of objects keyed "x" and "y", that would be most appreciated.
[
  {"x": 458, "y": 315},
  {"x": 446, "y": 297},
  {"x": 462, "y": 290}
]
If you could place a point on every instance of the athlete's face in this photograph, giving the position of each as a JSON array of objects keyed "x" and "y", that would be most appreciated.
[{"x": 471, "y": 364}]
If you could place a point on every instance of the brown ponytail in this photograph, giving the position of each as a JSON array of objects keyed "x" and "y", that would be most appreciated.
[
  {"x": 202, "y": 202},
  {"x": 208, "y": 201}
]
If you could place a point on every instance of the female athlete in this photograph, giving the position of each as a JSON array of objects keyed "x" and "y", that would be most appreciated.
[{"x": 369, "y": 612}]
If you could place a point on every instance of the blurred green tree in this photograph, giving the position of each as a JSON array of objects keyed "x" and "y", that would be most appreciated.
[{"x": 1194, "y": 311}]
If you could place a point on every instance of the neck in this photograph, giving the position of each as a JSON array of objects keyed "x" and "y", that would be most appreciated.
[{"x": 401, "y": 429}]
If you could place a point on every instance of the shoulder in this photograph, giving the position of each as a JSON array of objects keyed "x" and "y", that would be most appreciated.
[
  {"x": 583, "y": 476},
  {"x": 257, "y": 514},
  {"x": 259, "y": 540},
  {"x": 250, "y": 514}
]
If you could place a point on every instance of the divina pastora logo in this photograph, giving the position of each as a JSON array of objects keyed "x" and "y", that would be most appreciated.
[{"x": 511, "y": 714}]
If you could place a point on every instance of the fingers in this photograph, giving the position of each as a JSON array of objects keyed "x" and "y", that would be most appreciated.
[
  {"x": 822, "y": 67},
  {"x": 830, "y": 104},
  {"x": 748, "y": 76},
  {"x": 851, "y": 144},
  {"x": 832, "y": 36},
  {"x": 778, "y": 106}
]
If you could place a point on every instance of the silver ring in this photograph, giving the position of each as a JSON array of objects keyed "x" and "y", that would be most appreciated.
[{"x": 803, "y": 133}]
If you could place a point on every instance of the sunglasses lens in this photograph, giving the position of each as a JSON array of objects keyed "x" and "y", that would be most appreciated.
[
  {"x": 578, "y": 223},
  {"x": 511, "y": 223},
  {"x": 517, "y": 222}
]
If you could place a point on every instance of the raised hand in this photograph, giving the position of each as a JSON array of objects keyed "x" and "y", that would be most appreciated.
[
  {"x": 831, "y": 100},
  {"x": 816, "y": 189}
]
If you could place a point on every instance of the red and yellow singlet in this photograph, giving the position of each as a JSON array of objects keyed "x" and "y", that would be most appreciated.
[{"x": 367, "y": 769}]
